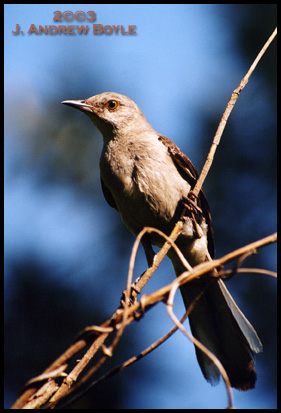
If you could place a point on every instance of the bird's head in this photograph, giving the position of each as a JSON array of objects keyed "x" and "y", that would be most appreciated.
[{"x": 111, "y": 112}]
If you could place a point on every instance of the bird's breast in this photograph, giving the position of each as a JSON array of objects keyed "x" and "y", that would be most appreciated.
[{"x": 144, "y": 183}]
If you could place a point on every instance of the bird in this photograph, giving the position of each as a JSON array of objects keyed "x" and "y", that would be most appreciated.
[{"x": 147, "y": 179}]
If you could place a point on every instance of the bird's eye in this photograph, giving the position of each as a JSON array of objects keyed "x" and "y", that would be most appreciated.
[{"x": 112, "y": 104}]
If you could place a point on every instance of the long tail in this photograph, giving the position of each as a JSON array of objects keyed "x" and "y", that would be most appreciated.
[{"x": 218, "y": 323}]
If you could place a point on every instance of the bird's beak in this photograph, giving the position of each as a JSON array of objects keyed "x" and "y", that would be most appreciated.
[{"x": 78, "y": 104}]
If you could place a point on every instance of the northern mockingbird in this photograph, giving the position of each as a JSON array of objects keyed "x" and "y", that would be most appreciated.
[{"x": 147, "y": 178}]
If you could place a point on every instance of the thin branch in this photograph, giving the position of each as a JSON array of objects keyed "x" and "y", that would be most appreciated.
[
  {"x": 161, "y": 254},
  {"x": 226, "y": 115},
  {"x": 121, "y": 367},
  {"x": 252, "y": 271},
  {"x": 198, "y": 344}
]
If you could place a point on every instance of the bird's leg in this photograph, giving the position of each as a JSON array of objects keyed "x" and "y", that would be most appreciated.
[
  {"x": 189, "y": 202},
  {"x": 190, "y": 205}
]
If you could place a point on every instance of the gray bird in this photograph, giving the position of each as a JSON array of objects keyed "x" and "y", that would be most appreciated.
[{"x": 147, "y": 178}]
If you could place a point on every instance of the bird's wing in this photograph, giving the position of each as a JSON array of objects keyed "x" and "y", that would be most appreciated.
[
  {"x": 188, "y": 172},
  {"x": 108, "y": 197}
]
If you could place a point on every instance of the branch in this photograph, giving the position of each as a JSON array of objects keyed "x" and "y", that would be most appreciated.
[
  {"x": 167, "y": 293},
  {"x": 56, "y": 393},
  {"x": 197, "y": 343},
  {"x": 226, "y": 115}
]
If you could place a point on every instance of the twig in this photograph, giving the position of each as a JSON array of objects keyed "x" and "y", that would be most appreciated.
[
  {"x": 161, "y": 254},
  {"x": 216, "y": 263},
  {"x": 197, "y": 343},
  {"x": 226, "y": 115},
  {"x": 122, "y": 366},
  {"x": 251, "y": 270}
]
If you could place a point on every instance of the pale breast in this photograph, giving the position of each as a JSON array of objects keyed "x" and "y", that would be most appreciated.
[{"x": 144, "y": 183}]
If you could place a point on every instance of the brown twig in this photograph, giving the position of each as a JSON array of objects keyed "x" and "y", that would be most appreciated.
[
  {"x": 251, "y": 271},
  {"x": 225, "y": 116},
  {"x": 197, "y": 343},
  {"x": 122, "y": 366}
]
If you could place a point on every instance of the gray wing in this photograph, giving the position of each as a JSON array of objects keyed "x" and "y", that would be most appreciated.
[{"x": 188, "y": 172}]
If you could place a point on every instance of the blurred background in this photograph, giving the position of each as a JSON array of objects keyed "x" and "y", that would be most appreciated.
[{"x": 67, "y": 252}]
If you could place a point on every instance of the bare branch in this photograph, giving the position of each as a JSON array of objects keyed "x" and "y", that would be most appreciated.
[
  {"x": 252, "y": 270},
  {"x": 226, "y": 115},
  {"x": 197, "y": 343}
]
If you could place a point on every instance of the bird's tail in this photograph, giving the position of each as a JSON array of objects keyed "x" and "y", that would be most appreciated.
[{"x": 218, "y": 323}]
